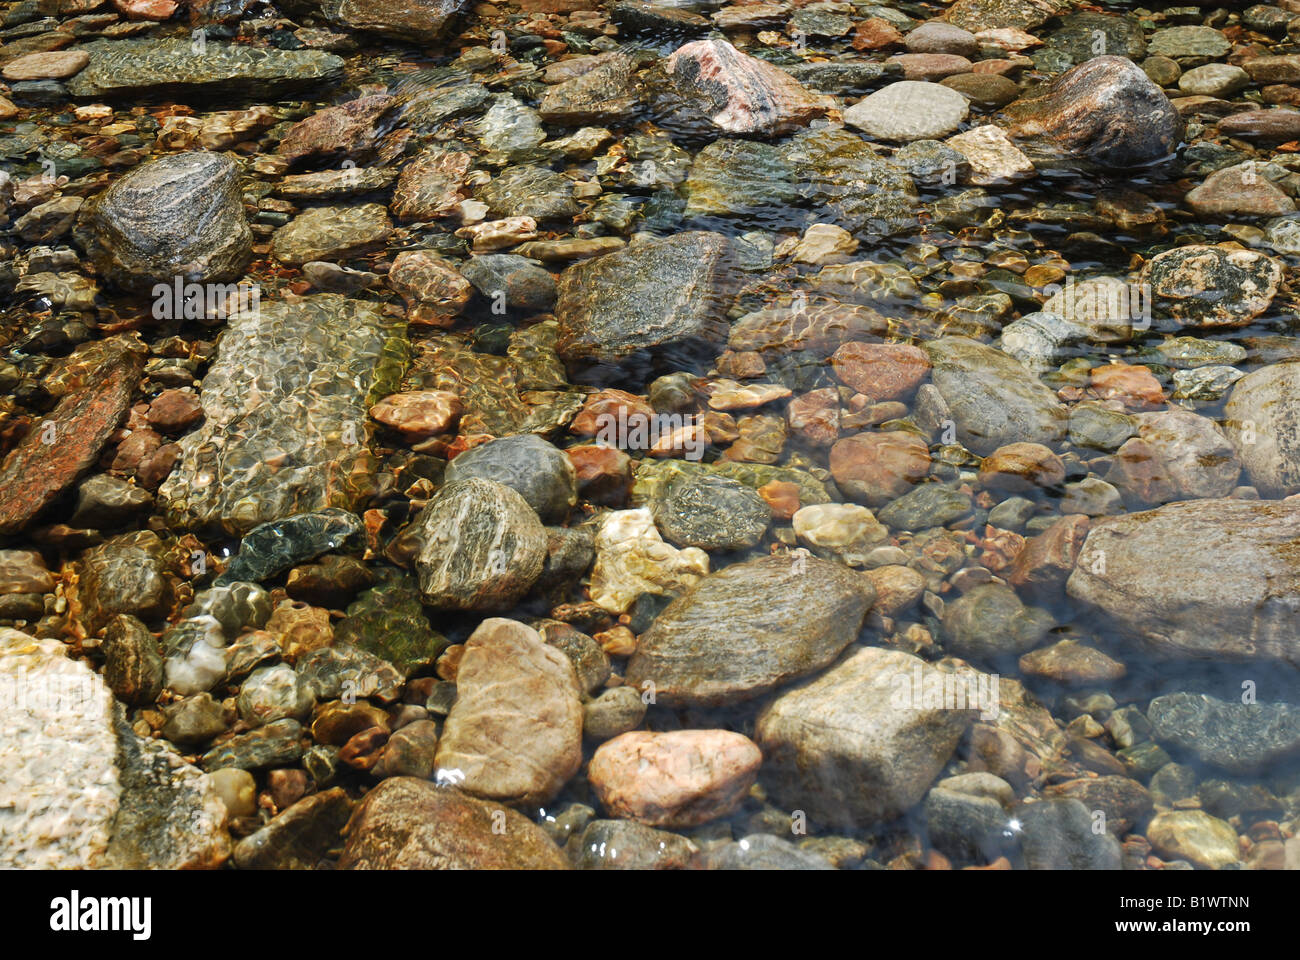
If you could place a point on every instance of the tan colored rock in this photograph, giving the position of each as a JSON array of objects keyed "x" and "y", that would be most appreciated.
[
  {"x": 417, "y": 414},
  {"x": 515, "y": 732},
  {"x": 50, "y": 65},
  {"x": 410, "y": 824},
  {"x": 1019, "y": 467},
  {"x": 632, "y": 559},
  {"x": 678, "y": 779},
  {"x": 875, "y": 468},
  {"x": 897, "y": 588},
  {"x": 993, "y": 158},
  {"x": 881, "y": 371}
]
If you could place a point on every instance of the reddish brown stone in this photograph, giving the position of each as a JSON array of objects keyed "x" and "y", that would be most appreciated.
[
  {"x": 875, "y": 468},
  {"x": 608, "y": 409},
  {"x": 881, "y": 371},
  {"x": 135, "y": 450},
  {"x": 815, "y": 416},
  {"x": 364, "y": 749},
  {"x": 876, "y": 33},
  {"x": 174, "y": 411},
  {"x": 417, "y": 414},
  {"x": 146, "y": 9},
  {"x": 156, "y": 467},
  {"x": 1049, "y": 558},
  {"x": 1019, "y": 467},
  {"x": 349, "y": 130},
  {"x": 783, "y": 497},
  {"x": 604, "y": 474},
  {"x": 57, "y": 450},
  {"x": 1132, "y": 384},
  {"x": 1139, "y": 473},
  {"x": 741, "y": 364}
]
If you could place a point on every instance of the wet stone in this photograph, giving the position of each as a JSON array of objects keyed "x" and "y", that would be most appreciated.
[
  {"x": 299, "y": 837},
  {"x": 1234, "y": 736},
  {"x": 272, "y": 548},
  {"x": 711, "y": 512},
  {"x": 691, "y": 653},
  {"x": 296, "y": 377},
  {"x": 530, "y": 466},
  {"x": 276, "y": 744}
]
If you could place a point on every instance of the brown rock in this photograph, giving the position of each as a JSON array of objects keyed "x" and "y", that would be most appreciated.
[
  {"x": 930, "y": 66},
  {"x": 418, "y": 414},
  {"x": 515, "y": 732},
  {"x": 1132, "y": 384},
  {"x": 431, "y": 286},
  {"x": 876, "y": 33},
  {"x": 878, "y": 467},
  {"x": 815, "y": 416},
  {"x": 431, "y": 185},
  {"x": 678, "y": 779},
  {"x": 1073, "y": 663},
  {"x": 1047, "y": 559},
  {"x": 1019, "y": 467},
  {"x": 410, "y": 824},
  {"x": 174, "y": 411},
  {"x": 782, "y": 496},
  {"x": 1240, "y": 190},
  {"x": 1268, "y": 126},
  {"x": 608, "y": 408},
  {"x": 56, "y": 451},
  {"x": 881, "y": 371},
  {"x": 52, "y": 65},
  {"x": 348, "y": 131},
  {"x": 604, "y": 474}
]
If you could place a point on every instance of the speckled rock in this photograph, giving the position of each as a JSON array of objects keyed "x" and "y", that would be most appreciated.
[
  {"x": 1241, "y": 737},
  {"x": 1261, "y": 425},
  {"x": 711, "y": 512},
  {"x": 1207, "y": 287}
]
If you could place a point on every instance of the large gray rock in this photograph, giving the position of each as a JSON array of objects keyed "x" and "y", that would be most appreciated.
[
  {"x": 666, "y": 296},
  {"x": 749, "y": 628},
  {"x": 1241, "y": 737},
  {"x": 481, "y": 547},
  {"x": 180, "y": 69},
  {"x": 1106, "y": 111},
  {"x": 859, "y": 745},
  {"x": 515, "y": 732},
  {"x": 527, "y": 464},
  {"x": 1200, "y": 578},
  {"x": 1263, "y": 425},
  {"x": 285, "y": 406},
  {"x": 993, "y": 399},
  {"x": 177, "y": 216}
]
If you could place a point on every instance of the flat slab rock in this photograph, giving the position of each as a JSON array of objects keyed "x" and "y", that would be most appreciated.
[
  {"x": 56, "y": 452},
  {"x": 410, "y": 824},
  {"x": 1199, "y": 578},
  {"x": 132, "y": 68},
  {"x": 515, "y": 732},
  {"x": 749, "y": 628},
  {"x": 285, "y": 406},
  {"x": 859, "y": 744},
  {"x": 80, "y": 789}
]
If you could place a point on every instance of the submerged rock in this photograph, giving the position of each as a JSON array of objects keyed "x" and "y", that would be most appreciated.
[
  {"x": 859, "y": 744},
  {"x": 664, "y": 297},
  {"x": 1261, "y": 425},
  {"x": 1106, "y": 111},
  {"x": 709, "y": 88},
  {"x": 177, "y": 216},
  {"x": 1200, "y": 578},
  {"x": 102, "y": 378},
  {"x": 481, "y": 546},
  {"x": 285, "y": 404},
  {"x": 515, "y": 732},
  {"x": 410, "y": 824},
  {"x": 750, "y": 628},
  {"x": 138, "y": 68},
  {"x": 1240, "y": 737}
]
